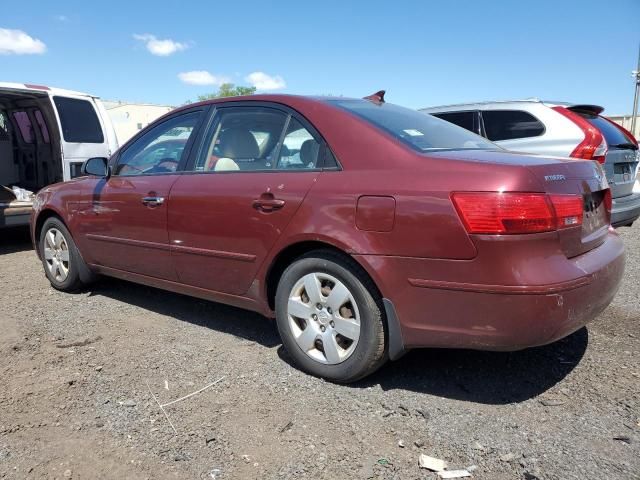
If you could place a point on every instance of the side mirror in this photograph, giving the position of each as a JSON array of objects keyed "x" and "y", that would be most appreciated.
[{"x": 97, "y": 166}]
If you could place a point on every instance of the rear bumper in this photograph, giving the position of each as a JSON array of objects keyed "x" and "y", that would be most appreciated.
[
  {"x": 625, "y": 209},
  {"x": 433, "y": 312},
  {"x": 14, "y": 216}
]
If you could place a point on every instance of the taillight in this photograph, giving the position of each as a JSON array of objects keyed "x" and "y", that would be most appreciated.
[
  {"x": 514, "y": 212},
  {"x": 608, "y": 202},
  {"x": 593, "y": 147},
  {"x": 568, "y": 210}
]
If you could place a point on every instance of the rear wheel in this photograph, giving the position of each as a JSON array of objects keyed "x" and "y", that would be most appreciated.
[
  {"x": 329, "y": 319},
  {"x": 60, "y": 257}
]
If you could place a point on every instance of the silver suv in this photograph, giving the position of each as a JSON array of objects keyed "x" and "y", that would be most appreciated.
[{"x": 561, "y": 129}]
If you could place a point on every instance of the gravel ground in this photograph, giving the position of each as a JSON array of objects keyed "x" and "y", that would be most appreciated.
[{"x": 83, "y": 375}]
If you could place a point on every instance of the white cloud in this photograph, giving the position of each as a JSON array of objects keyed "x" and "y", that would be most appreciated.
[
  {"x": 161, "y": 47},
  {"x": 262, "y": 81},
  {"x": 16, "y": 42},
  {"x": 202, "y": 77}
]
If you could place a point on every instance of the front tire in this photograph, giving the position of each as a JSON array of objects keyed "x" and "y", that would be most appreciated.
[
  {"x": 60, "y": 257},
  {"x": 329, "y": 317}
]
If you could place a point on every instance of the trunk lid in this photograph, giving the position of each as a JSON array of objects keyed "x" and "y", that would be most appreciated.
[
  {"x": 561, "y": 176},
  {"x": 587, "y": 179}
]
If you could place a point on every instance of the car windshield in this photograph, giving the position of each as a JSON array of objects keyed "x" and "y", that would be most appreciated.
[{"x": 420, "y": 131}]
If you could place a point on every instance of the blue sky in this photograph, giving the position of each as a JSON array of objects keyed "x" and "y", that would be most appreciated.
[{"x": 422, "y": 52}]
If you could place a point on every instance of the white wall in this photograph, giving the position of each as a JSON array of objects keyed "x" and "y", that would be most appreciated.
[{"x": 129, "y": 118}]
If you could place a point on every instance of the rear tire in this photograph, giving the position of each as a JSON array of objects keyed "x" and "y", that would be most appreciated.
[
  {"x": 60, "y": 257},
  {"x": 329, "y": 317}
]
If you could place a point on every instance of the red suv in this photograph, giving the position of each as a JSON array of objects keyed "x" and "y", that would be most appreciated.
[{"x": 366, "y": 229}]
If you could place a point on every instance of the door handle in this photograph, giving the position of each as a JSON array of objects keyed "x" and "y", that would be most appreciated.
[
  {"x": 268, "y": 204},
  {"x": 152, "y": 201}
]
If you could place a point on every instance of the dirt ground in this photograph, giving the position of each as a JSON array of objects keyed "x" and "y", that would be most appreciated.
[{"x": 82, "y": 377}]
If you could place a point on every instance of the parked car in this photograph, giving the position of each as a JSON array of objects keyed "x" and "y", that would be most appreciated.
[
  {"x": 392, "y": 230},
  {"x": 46, "y": 134},
  {"x": 563, "y": 129}
]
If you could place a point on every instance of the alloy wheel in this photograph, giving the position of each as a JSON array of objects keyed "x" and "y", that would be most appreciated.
[{"x": 56, "y": 254}]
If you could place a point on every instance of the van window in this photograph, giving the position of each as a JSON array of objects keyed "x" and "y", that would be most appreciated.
[
  {"x": 24, "y": 125},
  {"x": 43, "y": 126},
  {"x": 510, "y": 125},
  {"x": 79, "y": 121}
]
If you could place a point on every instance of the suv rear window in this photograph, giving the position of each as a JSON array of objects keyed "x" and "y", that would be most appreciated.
[
  {"x": 420, "y": 131},
  {"x": 79, "y": 121},
  {"x": 510, "y": 125},
  {"x": 612, "y": 135}
]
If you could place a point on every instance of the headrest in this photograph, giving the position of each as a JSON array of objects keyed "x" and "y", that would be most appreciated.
[
  {"x": 309, "y": 152},
  {"x": 238, "y": 143},
  {"x": 225, "y": 164}
]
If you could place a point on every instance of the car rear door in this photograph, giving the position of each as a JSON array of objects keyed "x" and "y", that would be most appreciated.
[
  {"x": 124, "y": 224},
  {"x": 252, "y": 173}
]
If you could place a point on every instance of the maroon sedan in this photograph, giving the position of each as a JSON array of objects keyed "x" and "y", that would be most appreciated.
[{"x": 366, "y": 229}]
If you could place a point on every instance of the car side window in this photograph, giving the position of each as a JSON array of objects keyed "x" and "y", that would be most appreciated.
[
  {"x": 511, "y": 125},
  {"x": 242, "y": 139},
  {"x": 466, "y": 120},
  {"x": 300, "y": 150},
  {"x": 161, "y": 149}
]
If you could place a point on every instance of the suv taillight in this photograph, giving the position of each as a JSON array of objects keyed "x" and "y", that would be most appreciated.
[
  {"x": 593, "y": 147},
  {"x": 515, "y": 212}
]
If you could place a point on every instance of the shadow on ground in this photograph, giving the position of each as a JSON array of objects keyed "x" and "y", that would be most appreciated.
[
  {"x": 14, "y": 239},
  {"x": 483, "y": 377},
  {"x": 219, "y": 317}
]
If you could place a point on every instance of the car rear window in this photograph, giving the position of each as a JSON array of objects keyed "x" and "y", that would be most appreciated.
[
  {"x": 420, "y": 131},
  {"x": 510, "y": 125},
  {"x": 79, "y": 121},
  {"x": 612, "y": 135}
]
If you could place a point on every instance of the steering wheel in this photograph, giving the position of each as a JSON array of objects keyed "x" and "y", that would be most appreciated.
[{"x": 166, "y": 165}]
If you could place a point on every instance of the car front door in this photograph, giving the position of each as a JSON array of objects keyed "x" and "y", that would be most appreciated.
[
  {"x": 125, "y": 216},
  {"x": 254, "y": 168}
]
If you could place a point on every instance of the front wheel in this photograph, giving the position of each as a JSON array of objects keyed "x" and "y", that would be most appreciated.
[
  {"x": 60, "y": 257},
  {"x": 329, "y": 319}
]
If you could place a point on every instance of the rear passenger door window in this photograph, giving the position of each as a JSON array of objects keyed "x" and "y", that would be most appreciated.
[
  {"x": 300, "y": 150},
  {"x": 511, "y": 125},
  {"x": 466, "y": 120}
]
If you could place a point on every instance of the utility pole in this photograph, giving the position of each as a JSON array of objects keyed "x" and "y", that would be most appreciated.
[{"x": 634, "y": 113}]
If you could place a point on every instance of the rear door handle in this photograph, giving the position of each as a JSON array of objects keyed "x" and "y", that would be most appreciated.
[
  {"x": 152, "y": 201},
  {"x": 268, "y": 204}
]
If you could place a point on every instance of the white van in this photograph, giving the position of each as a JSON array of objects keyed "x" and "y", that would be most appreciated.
[{"x": 45, "y": 136}]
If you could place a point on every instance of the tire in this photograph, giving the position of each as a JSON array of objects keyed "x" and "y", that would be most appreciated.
[
  {"x": 355, "y": 334},
  {"x": 63, "y": 270}
]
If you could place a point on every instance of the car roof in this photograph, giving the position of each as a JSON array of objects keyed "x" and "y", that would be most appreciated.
[{"x": 479, "y": 105}]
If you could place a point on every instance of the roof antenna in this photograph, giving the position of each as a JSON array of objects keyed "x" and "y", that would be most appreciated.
[{"x": 377, "y": 97}]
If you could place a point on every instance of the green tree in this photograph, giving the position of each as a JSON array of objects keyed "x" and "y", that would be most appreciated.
[{"x": 228, "y": 90}]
